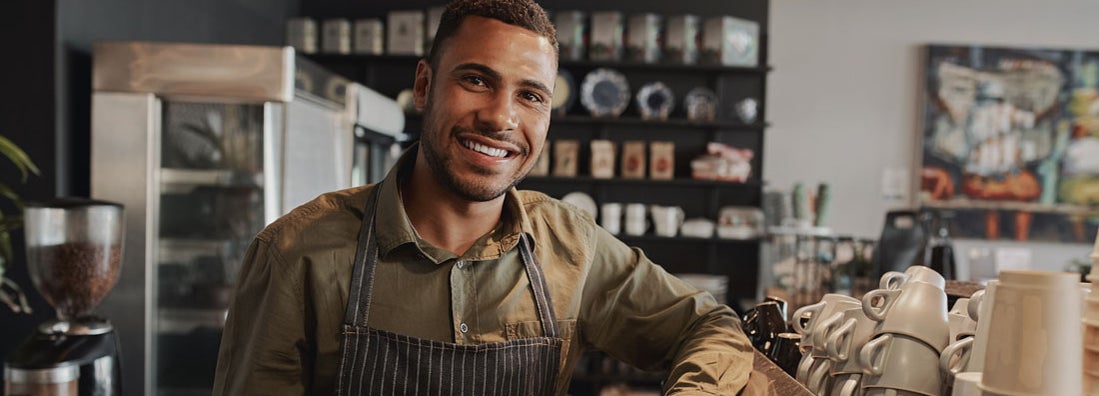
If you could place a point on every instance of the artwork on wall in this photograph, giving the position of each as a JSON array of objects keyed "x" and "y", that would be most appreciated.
[{"x": 1010, "y": 141}]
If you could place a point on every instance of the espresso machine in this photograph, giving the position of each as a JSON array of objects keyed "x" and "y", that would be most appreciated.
[{"x": 74, "y": 253}]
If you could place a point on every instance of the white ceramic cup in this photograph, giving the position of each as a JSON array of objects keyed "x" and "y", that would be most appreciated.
[
  {"x": 845, "y": 342},
  {"x": 980, "y": 306},
  {"x": 819, "y": 382},
  {"x": 917, "y": 309},
  {"x": 961, "y": 306},
  {"x": 894, "y": 279},
  {"x": 846, "y": 384},
  {"x": 967, "y": 384},
  {"x": 955, "y": 357},
  {"x": 827, "y": 306},
  {"x": 961, "y": 326},
  {"x": 610, "y": 217},
  {"x": 897, "y": 361},
  {"x": 667, "y": 219},
  {"x": 1035, "y": 328},
  {"x": 637, "y": 222}
]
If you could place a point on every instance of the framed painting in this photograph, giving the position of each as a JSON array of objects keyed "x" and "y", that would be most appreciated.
[{"x": 1010, "y": 142}]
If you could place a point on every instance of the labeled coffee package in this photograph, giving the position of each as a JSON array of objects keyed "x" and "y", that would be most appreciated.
[
  {"x": 301, "y": 33},
  {"x": 662, "y": 166},
  {"x": 643, "y": 33},
  {"x": 369, "y": 36},
  {"x": 542, "y": 165},
  {"x": 336, "y": 36},
  {"x": 730, "y": 41},
  {"x": 681, "y": 40},
  {"x": 565, "y": 154},
  {"x": 602, "y": 159},
  {"x": 606, "y": 36},
  {"x": 405, "y": 33},
  {"x": 633, "y": 159},
  {"x": 571, "y": 26}
]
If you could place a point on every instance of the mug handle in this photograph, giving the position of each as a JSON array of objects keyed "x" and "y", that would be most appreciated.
[
  {"x": 871, "y": 355},
  {"x": 850, "y": 388},
  {"x": 814, "y": 308},
  {"x": 841, "y": 336},
  {"x": 892, "y": 280},
  {"x": 806, "y": 363},
  {"x": 875, "y": 312},
  {"x": 961, "y": 349},
  {"x": 822, "y": 330},
  {"x": 974, "y": 307}
]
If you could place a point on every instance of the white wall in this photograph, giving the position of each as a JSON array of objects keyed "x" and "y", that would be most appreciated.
[{"x": 844, "y": 95}]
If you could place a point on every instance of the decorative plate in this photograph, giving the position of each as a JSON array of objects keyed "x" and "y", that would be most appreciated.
[
  {"x": 605, "y": 93},
  {"x": 564, "y": 92},
  {"x": 655, "y": 100},
  {"x": 701, "y": 103},
  {"x": 582, "y": 201}
]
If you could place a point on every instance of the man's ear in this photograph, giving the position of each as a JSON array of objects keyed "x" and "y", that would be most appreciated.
[{"x": 421, "y": 85}]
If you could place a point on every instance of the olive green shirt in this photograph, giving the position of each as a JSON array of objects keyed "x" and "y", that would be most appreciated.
[{"x": 282, "y": 335}]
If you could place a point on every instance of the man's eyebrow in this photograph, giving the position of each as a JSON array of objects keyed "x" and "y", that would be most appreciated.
[{"x": 493, "y": 74}]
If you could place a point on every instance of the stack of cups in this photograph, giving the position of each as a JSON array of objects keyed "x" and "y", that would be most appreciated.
[
  {"x": 903, "y": 353},
  {"x": 1091, "y": 329},
  {"x": 811, "y": 321},
  {"x": 1034, "y": 336}
]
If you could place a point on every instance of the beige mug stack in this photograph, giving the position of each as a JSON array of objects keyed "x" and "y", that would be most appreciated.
[
  {"x": 886, "y": 344},
  {"x": 902, "y": 356},
  {"x": 810, "y": 321}
]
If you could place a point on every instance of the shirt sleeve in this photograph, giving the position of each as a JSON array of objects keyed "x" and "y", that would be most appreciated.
[
  {"x": 263, "y": 347},
  {"x": 637, "y": 312}
]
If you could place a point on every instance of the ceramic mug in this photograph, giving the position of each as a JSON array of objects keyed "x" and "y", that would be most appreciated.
[
  {"x": 917, "y": 309},
  {"x": 667, "y": 220},
  {"x": 610, "y": 217}
]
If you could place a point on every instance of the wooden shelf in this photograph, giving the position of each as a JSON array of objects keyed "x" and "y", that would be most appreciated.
[
  {"x": 751, "y": 184},
  {"x": 664, "y": 67},
  {"x": 657, "y": 238},
  {"x": 674, "y": 122}
]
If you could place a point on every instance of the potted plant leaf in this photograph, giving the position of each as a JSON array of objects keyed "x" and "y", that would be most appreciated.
[{"x": 10, "y": 292}]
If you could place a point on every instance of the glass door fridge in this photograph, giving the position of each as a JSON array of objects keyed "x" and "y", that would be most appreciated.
[{"x": 204, "y": 145}]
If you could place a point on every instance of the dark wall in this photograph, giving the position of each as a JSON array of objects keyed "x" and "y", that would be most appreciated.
[{"x": 46, "y": 77}]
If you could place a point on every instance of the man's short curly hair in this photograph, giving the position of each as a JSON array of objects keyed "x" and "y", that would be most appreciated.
[{"x": 522, "y": 13}]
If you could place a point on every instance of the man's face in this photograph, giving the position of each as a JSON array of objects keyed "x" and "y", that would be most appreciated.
[{"x": 486, "y": 107}]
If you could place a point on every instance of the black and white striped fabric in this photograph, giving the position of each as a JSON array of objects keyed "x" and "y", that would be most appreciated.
[{"x": 376, "y": 362}]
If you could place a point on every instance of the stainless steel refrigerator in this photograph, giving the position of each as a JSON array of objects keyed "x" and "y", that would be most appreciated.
[{"x": 205, "y": 145}]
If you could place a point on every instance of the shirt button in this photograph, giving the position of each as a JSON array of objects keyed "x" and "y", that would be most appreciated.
[
  {"x": 463, "y": 328},
  {"x": 461, "y": 264}
]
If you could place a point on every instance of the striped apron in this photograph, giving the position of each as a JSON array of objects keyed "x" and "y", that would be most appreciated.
[{"x": 377, "y": 362}]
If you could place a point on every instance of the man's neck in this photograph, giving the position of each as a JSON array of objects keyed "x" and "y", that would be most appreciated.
[{"x": 442, "y": 218}]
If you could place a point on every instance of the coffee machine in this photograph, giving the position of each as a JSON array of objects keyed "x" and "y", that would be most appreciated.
[{"x": 74, "y": 253}]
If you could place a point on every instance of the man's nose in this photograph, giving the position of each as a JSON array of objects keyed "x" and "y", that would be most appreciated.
[{"x": 499, "y": 114}]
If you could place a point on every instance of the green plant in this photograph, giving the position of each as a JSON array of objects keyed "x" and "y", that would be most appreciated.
[{"x": 10, "y": 293}]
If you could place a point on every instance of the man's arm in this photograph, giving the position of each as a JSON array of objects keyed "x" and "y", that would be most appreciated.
[
  {"x": 263, "y": 346},
  {"x": 637, "y": 312}
]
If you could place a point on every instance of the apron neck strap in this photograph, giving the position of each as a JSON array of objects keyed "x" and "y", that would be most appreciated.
[{"x": 366, "y": 259}]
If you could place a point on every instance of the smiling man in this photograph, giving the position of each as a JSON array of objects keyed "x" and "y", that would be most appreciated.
[{"x": 445, "y": 279}]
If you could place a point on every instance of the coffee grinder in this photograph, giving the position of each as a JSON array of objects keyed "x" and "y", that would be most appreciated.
[{"x": 74, "y": 251}]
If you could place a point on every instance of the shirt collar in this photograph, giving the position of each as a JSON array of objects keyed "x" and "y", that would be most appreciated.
[{"x": 394, "y": 229}]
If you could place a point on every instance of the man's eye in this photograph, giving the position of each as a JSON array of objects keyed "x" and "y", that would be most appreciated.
[
  {"x": 474, "y": 80},
  {"x": 533, "y": 97}
]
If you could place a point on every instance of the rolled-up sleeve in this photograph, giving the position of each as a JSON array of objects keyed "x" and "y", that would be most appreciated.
[
  {"x": 263, "y": 347},
  {"x": 637, "y": 312}
]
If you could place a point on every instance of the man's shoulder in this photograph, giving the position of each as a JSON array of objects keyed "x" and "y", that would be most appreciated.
[{"x": 329, "y": 214}]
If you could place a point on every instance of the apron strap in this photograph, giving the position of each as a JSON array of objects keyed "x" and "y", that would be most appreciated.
[
  {"x": 542, "y": 300},
  {"x": 366, "y": 257}
]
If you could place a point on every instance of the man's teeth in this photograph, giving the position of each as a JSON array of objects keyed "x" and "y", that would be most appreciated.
[{"x": 486, "y": 150}]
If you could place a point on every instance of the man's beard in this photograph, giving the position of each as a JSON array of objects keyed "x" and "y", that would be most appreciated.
[{"x": 473, "y": 190}]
